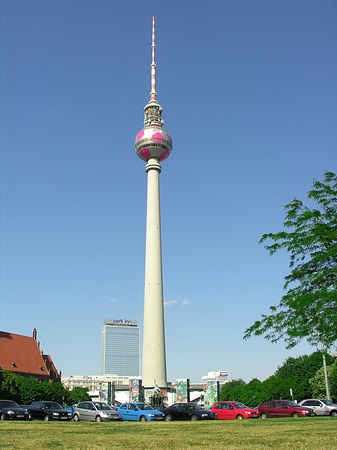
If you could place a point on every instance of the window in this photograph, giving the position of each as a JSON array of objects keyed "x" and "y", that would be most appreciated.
[
  {"x": 270, "y": 405},
  {"x": 282, "y": 405}
]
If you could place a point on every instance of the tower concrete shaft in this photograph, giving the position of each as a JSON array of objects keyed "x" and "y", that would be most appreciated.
[
  {"x": 153, "y": 144},
  {"x": 154, "y": 355}
]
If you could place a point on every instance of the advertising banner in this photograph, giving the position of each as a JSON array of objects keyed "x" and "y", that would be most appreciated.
[
  {"x": 183, "y": 390},
  {"x": 211, "y": 392},
  {"x": 135, "y": 391},
  {"x": 107, "y": 392}
]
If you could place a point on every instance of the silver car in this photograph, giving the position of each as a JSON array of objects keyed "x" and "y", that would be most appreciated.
[
  {"x": 95, "y": 412},
  {"x": 322, "y": 407}
]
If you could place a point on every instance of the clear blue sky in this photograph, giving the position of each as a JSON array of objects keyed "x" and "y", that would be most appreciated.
[{"x": 249, "y": 96}]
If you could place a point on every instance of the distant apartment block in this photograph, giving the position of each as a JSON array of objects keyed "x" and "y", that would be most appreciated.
[{"x": 93, "y": 382}]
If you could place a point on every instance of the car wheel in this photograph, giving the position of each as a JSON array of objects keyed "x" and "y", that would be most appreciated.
[
  {"x": 239, "y": 417},
  {"x": 194, "y": 418},
  {"x": 168, "y": 418},
  {"x": 143, "y": 419},
  {"x": 76, "y": 418},
  {"x": 263, "y": 415},
  {"x": 333, "y": 413},
  {"x": 3, "y": 417},
  {"x": 98, "y": 419},
  {"x": 46, "y": 418},
  {"x": 295, "y": 414}
]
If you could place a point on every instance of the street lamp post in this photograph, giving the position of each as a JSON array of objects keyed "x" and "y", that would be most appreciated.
[{"x": 325, "y": 369}]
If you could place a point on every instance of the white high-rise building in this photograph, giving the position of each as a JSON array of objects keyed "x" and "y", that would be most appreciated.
[{"x": 120, "y": 348}]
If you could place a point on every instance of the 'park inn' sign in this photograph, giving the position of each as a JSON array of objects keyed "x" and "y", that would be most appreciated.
[{"x": 121, "y": 322}]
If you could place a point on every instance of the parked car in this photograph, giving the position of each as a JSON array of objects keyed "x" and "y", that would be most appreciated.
[
  {"x": 95, "y": 412},
  {"x": 10, "y": 410},
  {"x": 139, "y": 411},
  {"x": 234, "y": 410},
  {"x": 284, "y": 408},
  {"x": 68, "y": 408},
  {"x": 48, "y": 411},
  {"x": 322, "y": 407},
  {"x": 188, "y": 411}
]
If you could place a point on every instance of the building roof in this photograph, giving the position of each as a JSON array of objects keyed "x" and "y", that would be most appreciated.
[
  {"x": 21, "y": 355},
  {"x": 51, "y": 367}
]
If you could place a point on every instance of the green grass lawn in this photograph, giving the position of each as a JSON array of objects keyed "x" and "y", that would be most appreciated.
[{"x": 318, "y": 433}]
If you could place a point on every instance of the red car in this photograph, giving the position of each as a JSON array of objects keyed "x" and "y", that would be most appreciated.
[
  {"x": 233, "y": 410},
  {"x": 284, "y": 408}
]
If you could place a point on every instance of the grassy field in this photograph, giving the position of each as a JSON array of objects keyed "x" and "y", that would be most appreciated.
[{"x": 318, "y": 433}]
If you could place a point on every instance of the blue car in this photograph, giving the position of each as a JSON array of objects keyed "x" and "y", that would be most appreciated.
[{"x": 140, "y": 412}]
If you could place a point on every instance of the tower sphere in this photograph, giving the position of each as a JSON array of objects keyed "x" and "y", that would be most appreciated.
[{"x": 153, "y": 142}]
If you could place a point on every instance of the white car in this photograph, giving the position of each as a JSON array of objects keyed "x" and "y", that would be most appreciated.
[{"x": 322, "y": 407}]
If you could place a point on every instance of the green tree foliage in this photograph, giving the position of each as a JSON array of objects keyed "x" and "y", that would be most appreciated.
[
  {"x": 300, "y": 370},
  {"x": 232, "y": 390},
  {"x": 333, "y": 381},
  {"x": 317, "y": 382},
  {"x": 8, "y": 385},
  {"x": 308, "y": 310},
  {"x": 29, "y": 389},
  {"x": 78, "y": 394},
  {"x": 25, "y": 390},
  {"x": 294, "y": 374}
]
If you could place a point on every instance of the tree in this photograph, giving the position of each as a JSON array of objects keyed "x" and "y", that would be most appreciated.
[
  {"x": 232, "y": 390},
  {"x": 303, "y": 367},
  {"x": 78, "y": 394},
  {"x": 308, "y": 310},
  {"x": 317, "y": 382},
  {"x": 9, "y": 385},
  {"x": 30, "y": 389},
  {"x": 25, "y": 390}
]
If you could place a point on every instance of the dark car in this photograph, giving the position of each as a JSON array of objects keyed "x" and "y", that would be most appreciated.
[
  {"x": 10, "y": 410},
  {"x": 48, "y": 411},
  {"x": 284, "y": 408},
  {"x": 188, "y": 411}
]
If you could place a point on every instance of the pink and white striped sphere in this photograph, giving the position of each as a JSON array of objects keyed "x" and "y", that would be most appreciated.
[{"x": 153, "y": 142}]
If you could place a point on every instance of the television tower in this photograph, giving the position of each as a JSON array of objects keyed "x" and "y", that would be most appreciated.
[{"x": 153, "y": 144}]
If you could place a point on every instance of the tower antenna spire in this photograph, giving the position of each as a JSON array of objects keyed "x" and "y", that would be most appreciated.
[{"x": 153, "y": 64}]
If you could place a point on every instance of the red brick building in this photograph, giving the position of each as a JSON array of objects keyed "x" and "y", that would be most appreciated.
[{"x": 22, "y": 356}]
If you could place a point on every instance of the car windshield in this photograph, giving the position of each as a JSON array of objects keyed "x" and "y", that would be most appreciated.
[
  {"x": 144, "y": 406},
  {"x": 9, "y": 403},
  {"x": 292, "y": 404},
  {"x": 102, "y": 406},
  {"x": 239, "y": 405},
  {"x": 52, "y": 405},
  {"x": 327, "y": 403}
]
